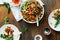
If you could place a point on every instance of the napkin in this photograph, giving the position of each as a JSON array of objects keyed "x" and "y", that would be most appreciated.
[
  {"x": 16, "y": 12},
  {"x": 16, "y": 9}
]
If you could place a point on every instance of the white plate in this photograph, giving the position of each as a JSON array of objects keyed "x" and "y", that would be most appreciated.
[
  {"x": 52, "y": 21},
  {"x": 16, "y": 31},
  {"x": 41, "y": 12}
]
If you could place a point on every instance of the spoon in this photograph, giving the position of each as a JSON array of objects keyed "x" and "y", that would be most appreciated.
[{"x": 37, "y": 20}]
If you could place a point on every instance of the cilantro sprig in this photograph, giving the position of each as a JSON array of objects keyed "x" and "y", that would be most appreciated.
[
  {"x": 24, "y": 30},
  {"x": 6, "y": 20},
  {"x": 7, "y": 6},
  {"x": 57, "y": 18}
]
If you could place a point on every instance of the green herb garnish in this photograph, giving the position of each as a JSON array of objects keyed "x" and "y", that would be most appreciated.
[
  {"x": 9, "y": 9},
  {"x": 24, "y": 30},
  {"x": 9, "y": 38},
  {"x": 39, "y": 19},
  {"x": 6, "y": 20},
  {"x": 3, "y": 36},
  {"x": 7, "y": 6},
  {"x": 57, "y": 22},
  {"x": 57, "y": 18}
]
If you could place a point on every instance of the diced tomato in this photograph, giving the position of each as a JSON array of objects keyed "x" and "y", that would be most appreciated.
[
  {"x": 33, "y": 9},
  {"x": 8, "y": 28},
  {"x": 29, "y": 12},
  {"x": 9, "y": 31},
  {"x": 23, "y": 14},
  {"x": 53, "y": 16}
]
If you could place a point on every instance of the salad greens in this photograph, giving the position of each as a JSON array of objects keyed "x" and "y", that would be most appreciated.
[
  {"x": 2, "y": 35},
  {"x": 7, "y": 38},
  {"x": 57, "y": 20}
]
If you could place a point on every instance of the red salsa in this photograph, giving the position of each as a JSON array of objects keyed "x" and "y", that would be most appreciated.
[{"x": 16, "y": 1}]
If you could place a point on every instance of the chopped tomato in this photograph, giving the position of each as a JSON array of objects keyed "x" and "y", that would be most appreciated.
[
  {"x": 9, "y": 31},
  {"x": 29, "y": 12}
]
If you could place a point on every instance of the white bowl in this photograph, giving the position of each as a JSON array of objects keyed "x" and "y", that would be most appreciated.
[
  {"x": 16, "y": 32},
  {"x": 38, "y": 36},
  {"x": 16, "y": 4},
  {"x": 52, "y": 21},
  {"x": 41, "y": 12}
]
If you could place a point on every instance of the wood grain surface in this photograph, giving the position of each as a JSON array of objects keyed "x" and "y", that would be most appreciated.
[{"x": 33, "y": 30}]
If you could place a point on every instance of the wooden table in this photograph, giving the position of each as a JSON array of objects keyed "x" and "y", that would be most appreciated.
[{"x": 50, "y": 5}]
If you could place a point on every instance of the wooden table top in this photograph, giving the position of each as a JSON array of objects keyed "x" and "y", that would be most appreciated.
[{"x": 33, "y": 30}]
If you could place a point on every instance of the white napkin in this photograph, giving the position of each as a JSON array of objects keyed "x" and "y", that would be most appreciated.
[{"x": 16, "y": 10}]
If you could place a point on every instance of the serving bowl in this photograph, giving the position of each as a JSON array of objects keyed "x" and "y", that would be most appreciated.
[{"x": 42, "y": 12}]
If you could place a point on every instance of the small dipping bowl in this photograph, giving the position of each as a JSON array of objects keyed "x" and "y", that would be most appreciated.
[
  {"x": 16, "y": 2},
  {"x": 38, "y": 37},
  {"x": 47, "y": 31}
]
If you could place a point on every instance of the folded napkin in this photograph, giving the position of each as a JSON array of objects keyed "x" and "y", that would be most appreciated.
[
  {"x": 16, "y": 12},
  {"x": 16, "y": 9}
]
